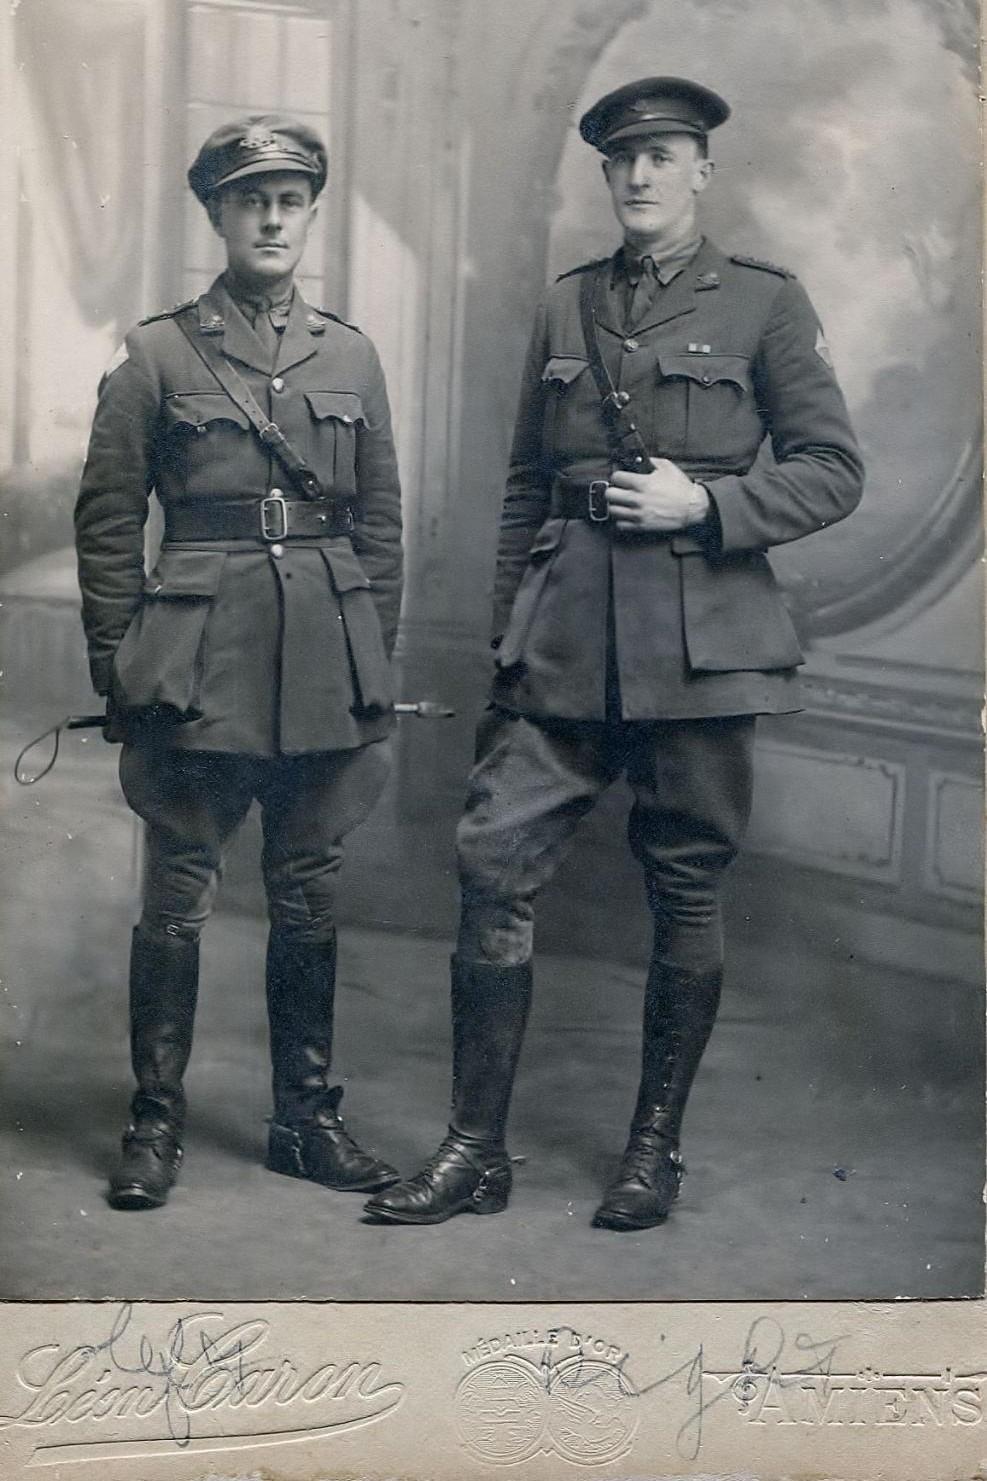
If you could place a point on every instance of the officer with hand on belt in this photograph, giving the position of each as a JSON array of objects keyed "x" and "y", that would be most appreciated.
[
  {"x": 253, "y": 661},
  {"x": 638, "y": 626}
]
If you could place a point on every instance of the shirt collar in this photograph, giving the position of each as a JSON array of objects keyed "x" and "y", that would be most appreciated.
[
  {"x": 251, "y": 305},
  {"x": 628, "y": 264}
]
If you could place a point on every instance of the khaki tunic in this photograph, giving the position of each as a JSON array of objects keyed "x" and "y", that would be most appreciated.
[
  {"x": 729, "y": 354},
  {"x": 252, "y": 650}
]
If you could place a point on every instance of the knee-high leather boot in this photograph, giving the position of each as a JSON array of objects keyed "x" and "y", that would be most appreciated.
[
  {"x": 164, "y": 981},
  {"x": 471, "y": 1171},
  {"x": 679, "y": 1012},
  {"x": 307, "y": 1136}
]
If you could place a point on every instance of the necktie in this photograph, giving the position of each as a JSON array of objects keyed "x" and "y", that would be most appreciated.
[
  {"x": 644, "y": 290},
  {"x": 260, "y": 321}
]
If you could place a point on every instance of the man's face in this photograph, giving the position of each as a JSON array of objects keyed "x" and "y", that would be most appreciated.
[
  {"x": 264, "y": 222},
  {"x": 654, "y": 184}
]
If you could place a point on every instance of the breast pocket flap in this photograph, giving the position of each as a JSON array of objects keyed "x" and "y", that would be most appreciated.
[
  {"x": 342, "y": 406},
  {"x": 563, "y": 369},
  {"x": 708, "y": 370},
  {"x": 195, "y": 409}
]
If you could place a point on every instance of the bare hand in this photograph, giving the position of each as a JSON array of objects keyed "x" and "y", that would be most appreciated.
[{"x": 664, "y": 499}]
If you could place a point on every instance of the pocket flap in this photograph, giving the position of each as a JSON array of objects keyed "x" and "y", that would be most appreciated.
[
  {"x": 564, "y": 368},
  {"x": 547, "y": 537},
  {"x": 708, "y": 370},
  {"x": 344, "y": 406},
  {"x": 185, "y": 573},
  {"x": 346, "y": 572},
  {"x": 198, "y": 408}
]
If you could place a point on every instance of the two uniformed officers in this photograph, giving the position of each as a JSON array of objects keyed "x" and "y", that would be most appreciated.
[
  {"x": 638, "y": 626},
  {"x": 253, "y": 661}
]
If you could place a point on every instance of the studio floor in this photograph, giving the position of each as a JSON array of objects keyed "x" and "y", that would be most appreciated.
[{"x": 834, "y": 1141}]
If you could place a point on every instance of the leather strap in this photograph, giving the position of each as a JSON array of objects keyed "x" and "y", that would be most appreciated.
[
  {"x": 579, "y": 498},
  {"x": 270, "y": 520},
  {"x": 627, "y": 448},
  {"x": 305, "y": 480}
]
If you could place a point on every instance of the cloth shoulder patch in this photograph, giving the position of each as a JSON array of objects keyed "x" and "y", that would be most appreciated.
[
  {"x": 584, "y": 267},
  {"x": 169, "y": 313},
  {"x": 328, "y": 314},
  {"x": 120, "y": 358},
  {"x": 758, "y": 262},
  {"x": 822, "y": 349}
]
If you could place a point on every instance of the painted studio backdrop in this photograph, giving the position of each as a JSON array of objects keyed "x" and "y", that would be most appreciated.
[{"x": 458, "y": 187}]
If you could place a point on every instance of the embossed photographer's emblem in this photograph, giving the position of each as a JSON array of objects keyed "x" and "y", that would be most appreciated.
[{"x": 512, "y": 1407}]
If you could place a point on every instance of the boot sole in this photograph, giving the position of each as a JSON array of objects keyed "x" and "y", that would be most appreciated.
[
  {"x": 623, "y": 1224},
  {"x": 374, "y": 1186},
  {"x": 135, "y": 1199},
  {"x": 389, "y": 1216}
]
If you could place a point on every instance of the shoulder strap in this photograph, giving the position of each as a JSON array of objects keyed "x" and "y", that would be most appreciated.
[
  {"x": 270, "y": 434},
  {"x": 626, "y": 443}
]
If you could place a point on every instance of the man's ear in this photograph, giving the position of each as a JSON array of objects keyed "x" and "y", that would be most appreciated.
[
  {"x": 605, "y": 166},
  {"x": 703, "y": 175}
]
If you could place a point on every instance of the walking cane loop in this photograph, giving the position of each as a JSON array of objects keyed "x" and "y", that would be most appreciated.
[{"x": 423, "y": 709}]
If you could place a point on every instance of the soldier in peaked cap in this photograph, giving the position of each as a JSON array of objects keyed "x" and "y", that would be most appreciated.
[
  {"x": 638, "y": 627},
  {"x": 252, "y": 662}
]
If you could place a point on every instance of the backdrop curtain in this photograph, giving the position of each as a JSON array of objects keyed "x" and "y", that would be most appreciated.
[{"x": 83, "y": 65}]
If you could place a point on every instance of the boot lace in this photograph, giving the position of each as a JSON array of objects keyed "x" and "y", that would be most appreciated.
[{"x": 647, "y": 1157}]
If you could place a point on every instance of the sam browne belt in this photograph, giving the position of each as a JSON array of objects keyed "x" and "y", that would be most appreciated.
[{"x": 269, "y": 520}]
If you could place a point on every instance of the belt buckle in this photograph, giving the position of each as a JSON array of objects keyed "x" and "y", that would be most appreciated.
[
  {"x": 599, "y": 510},
  {"x": 270, "y": 528}
]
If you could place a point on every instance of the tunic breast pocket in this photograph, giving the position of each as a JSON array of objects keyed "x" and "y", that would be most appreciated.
[
  {"x": 335, "y": 417},
  {"x": 206, "y": 436},
  {"x": 716, "y": 416},
  {"x": 563, "y": 396}
]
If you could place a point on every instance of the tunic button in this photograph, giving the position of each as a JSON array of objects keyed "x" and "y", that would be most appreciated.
[
  {"x": 707, "y": 380},
  {"x": 275, "y": 494},
  {"x": 631, "y": 344},
  {"x": 277, "y": 551},
  {"x": 277, "y": 384}
]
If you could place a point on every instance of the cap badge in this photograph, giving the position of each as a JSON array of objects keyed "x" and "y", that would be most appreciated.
[
  {"x": 642, "y": 105},
  {"x": 259, "y": 138}
]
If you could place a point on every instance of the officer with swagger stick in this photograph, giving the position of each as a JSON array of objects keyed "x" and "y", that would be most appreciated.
[
  {"x": 638, "y": 626},
  {"x": 253, "y": 661}
]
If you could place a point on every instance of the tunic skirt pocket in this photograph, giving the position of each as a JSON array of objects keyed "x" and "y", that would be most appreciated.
[
  {"x": 368, "y": 660},
  {"x": 734, "y": 615},
  {"x": 160, "y": 659},
  {"x": 539, "y": 568}
]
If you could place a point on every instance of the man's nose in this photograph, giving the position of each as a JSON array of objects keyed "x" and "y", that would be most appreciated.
[
  {"x": 638, "y": 172},
  {"x": 271, "y": 217}
]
